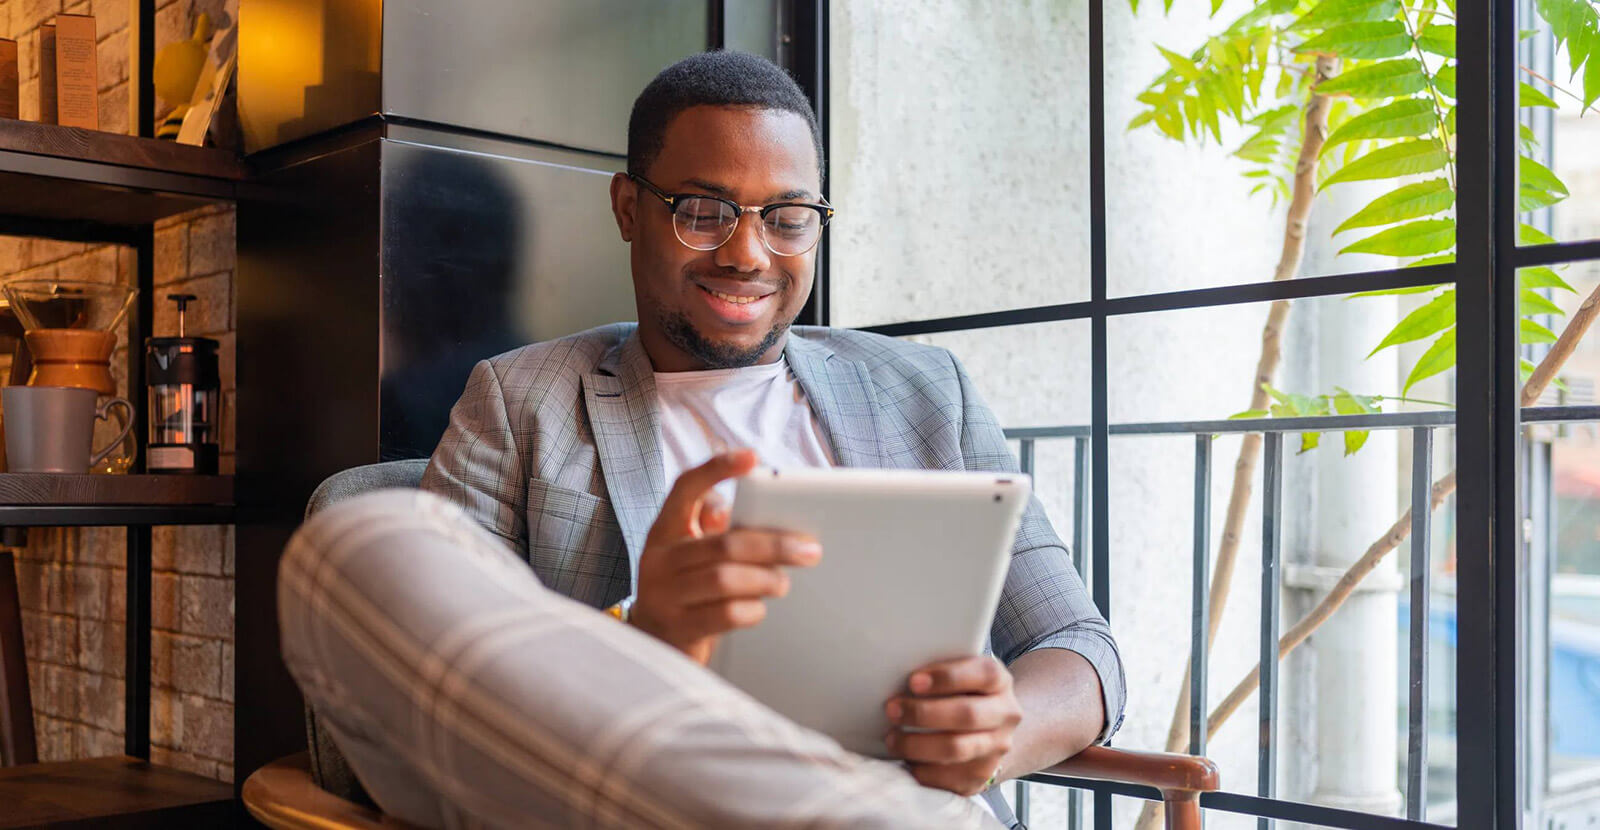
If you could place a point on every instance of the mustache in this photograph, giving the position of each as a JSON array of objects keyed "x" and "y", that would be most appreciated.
[{"x": 779, "y": 283}]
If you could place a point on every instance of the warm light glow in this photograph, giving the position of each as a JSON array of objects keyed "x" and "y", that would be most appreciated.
[{"x": 306, "y": 66}]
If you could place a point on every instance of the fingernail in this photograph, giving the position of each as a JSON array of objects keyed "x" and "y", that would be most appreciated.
[
  {"x": 893, "y": 710},
  {"x": 805, "y": 549},
  {"x": 920, "y": 683}
]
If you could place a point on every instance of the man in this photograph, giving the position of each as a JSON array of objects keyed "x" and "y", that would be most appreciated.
[{"x": 564, "y": 449}]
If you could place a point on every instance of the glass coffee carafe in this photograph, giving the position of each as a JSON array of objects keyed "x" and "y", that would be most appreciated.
[
  {"x": 184, "y": 399},
  {"x": 70, "y": 327}
]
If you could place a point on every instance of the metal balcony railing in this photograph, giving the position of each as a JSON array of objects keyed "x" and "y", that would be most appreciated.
[{"x": 1264, "y": 803}]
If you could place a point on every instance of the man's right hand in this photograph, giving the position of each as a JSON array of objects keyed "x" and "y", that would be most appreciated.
[{"x": 699, "y": 580}]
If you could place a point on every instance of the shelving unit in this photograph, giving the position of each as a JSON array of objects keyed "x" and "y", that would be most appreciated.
[
  {"x": 136, "y": 793},
  {"x": 87, "y": 186},
  {"x": 71, "y": 178},
  {"x": 47, "y": 500}
]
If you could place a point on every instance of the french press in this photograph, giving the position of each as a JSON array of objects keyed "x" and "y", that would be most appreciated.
[{"x": 185, "y": 394}]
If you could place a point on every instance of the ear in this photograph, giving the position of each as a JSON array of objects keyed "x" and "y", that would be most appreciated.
[{"x": 624, "y": 204}]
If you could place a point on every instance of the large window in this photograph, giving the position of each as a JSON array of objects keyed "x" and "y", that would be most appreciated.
[{"x": 1157, "y": 235}]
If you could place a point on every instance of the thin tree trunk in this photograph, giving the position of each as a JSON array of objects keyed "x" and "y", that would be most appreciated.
[
  {"x": 1313, "y": 134},
  {"x": 1542, "y": 375}
]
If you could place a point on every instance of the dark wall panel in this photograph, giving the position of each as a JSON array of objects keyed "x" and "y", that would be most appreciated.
[
  {"x": 483, "y": 252},
  {"x": 559, "y": 71}
]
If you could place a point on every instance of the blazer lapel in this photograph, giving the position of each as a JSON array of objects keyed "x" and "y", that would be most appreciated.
[
  {"x": 841, "y": 394},
  {"x": 621, "y": 396}
]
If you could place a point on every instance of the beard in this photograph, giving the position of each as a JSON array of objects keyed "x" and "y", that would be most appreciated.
[{"x": 682, "y": 333}]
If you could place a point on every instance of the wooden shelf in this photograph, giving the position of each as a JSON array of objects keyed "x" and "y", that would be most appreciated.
[
  {"x": 138, "y": 793},
  {"x": 66, "y": 174},
  {"x": 59, "y": 499}
]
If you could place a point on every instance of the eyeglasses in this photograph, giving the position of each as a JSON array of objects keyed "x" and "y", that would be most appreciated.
[{"x": 705, "y": 223}]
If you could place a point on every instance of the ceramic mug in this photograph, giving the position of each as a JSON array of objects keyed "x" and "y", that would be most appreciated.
[{"x": 50, "y": 429}]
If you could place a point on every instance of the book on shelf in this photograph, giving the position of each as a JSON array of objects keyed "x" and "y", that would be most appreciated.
[
  {"x": 47, "y": 73},
  {"x": 77, "y": 73},
  {"x": 10, "y": 85}
]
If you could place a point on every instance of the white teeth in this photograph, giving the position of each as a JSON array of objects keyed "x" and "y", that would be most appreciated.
[{"x": 730, "y": 298}]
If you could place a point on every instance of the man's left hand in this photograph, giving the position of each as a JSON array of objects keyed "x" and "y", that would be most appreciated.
[{"x": 971, "y": 713}]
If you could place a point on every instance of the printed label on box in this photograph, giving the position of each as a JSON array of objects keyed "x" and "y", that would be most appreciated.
[{"x": 77, "y": 101}]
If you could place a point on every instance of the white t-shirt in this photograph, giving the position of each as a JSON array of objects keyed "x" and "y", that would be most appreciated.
[{"x": 761, "y": 407}]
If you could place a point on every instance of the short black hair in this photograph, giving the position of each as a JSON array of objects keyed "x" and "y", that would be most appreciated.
[{"x": 720, "y": 78}]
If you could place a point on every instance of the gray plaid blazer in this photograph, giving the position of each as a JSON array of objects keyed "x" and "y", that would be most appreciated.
[{"x": 553, "y": 447}]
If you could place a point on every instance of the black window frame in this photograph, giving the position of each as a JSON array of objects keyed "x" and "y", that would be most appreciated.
[{"x": 1488, "y": 419}]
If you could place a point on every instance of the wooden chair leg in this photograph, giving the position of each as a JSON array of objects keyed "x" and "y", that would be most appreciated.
[
  {"x": 1182, "y": 809},
  {"x": 16, "y": 703}
]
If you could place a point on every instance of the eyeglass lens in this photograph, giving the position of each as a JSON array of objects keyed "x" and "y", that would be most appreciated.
[{"x": 705, "y": 224}]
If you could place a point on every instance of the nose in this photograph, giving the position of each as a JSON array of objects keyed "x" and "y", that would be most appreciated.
[{"x": 744, "y": 251}]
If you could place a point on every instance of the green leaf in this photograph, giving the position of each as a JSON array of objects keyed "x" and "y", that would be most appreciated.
[
  {"x": 1345, "y": 403},
  {"x": 1405, "y": 158},
  {"x": 1591, "y": 75},
  {"x": 1402, "y": 119},
  {"x": 1387, "y": 79},
  {"x": 1412, "y": 201},
  {"x": 1333, "y": 12},
  {"x": 1431, "y": 318},
  {"x": 1530, "y": 235},
  {"x": 1441, "y": 259},
  {"x": 1527, "y": 369},
  {"x": 1537, "y": 187},
  {"x": 1524, "y": 132},
  {"x": 1532, "y": 198},
  {"x": 1532, "y": 302},
  {"x": 1438, "y": 39},
  {"x": 1424, "y": 236},
  {"x": 1249, "y": 413},
  {"x": 1534, "y": 333},
  {"x": 1438, "y": 358},
  {"x": 1185, "y": 67},
  {"x": 1394, "y": 292},
  {"x": 1309, "y": 442},
  {"x": 1529, "y": 96},
  {"x": 1367, "y": 41},
  {"x": 1542, "y": 276},
  {"x": 1293, "y": 405},
  {"x": 1445, "y": 80}
]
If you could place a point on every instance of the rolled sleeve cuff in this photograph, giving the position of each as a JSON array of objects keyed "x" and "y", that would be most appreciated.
[{"x": 1102, "y": 655}]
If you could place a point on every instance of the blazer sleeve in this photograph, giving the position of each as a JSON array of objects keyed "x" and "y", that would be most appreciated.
[
  {"x": 1044, "y": 603},
  {"x": 477, "y": 464}
]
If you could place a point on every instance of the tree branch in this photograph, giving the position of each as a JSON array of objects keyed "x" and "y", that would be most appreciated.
[
  {"x": 1578, "y": 326},
  {"x": 1313, "y": 135}
]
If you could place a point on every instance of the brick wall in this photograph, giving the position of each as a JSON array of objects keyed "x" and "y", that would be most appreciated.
[{"x": 72, "y": 579}]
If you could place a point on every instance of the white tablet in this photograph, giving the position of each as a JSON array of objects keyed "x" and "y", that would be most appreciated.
[{"x": 912, "y": 566}]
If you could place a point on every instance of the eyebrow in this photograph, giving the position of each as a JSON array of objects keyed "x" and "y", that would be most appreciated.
[{"x": 721, "y": 190}]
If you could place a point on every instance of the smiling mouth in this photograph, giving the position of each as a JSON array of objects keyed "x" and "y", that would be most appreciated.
[{"x": 731, "y": 298}]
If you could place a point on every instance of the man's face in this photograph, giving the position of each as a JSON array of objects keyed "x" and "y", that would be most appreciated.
[{"x": 750, "y": 156}]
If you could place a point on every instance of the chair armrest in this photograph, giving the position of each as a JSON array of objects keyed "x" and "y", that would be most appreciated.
[
  {"x": 282, "y": 796},
  {"x": 1165, "y": 771}
]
